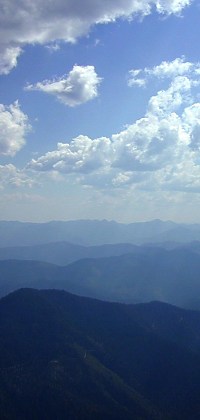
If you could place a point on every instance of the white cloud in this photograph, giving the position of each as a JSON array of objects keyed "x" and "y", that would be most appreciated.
[
  {"x": 177, "y": 67},
  {"x": 42, "y": 21},
  {"x": 82, "y": 155},
  {"x": 165, "y": 70},
  {"x": 8, "y": 58},
  {"x": 133, "y": 78},
  {"x": 78, "y": 87},
  {"x": 10, "y": 175},
  {"x": 149, "y": 144},
  {"x": 171, "y": 99},
  {"x": 160, "y": 150},
  {"x": 13, "y": 128},
  {"x": 192, "y": 126},
  {"x": 171, "y": 6}
]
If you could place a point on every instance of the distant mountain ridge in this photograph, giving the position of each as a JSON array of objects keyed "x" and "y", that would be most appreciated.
[
  {"x": 63, "y": 253},
  {"x": 94, "y": 232},
  {"x": 148, "y": 274}
]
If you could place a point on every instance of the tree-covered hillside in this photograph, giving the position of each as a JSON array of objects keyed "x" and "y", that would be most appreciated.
[{"x": 64, "y": 356}]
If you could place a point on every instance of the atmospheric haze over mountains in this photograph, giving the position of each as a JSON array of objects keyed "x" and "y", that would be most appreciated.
[
  {"x": 95, "y": 232},
  {"x": 99, "y": 319},
  {"x": 134, "y": 263}
]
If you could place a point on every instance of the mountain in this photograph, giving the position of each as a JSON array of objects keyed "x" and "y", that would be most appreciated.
[
  {"x": 64, "y": 356},
  {"x": 94, "y": 232},
  {"x": 51, "y": 369},
  {"x": 152, "y": 274},
  {"x": 16, "y": 274},
  {"x": 63, "y": 253},
  {"x": 148, "y": 274}
]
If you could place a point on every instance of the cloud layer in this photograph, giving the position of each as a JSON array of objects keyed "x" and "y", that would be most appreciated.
[
  {"x": 78, "y": 87},
  {"x": 41, "y": 21},
  {"x": 13, "y": 128},
  {"x": 159, "y": 151}
]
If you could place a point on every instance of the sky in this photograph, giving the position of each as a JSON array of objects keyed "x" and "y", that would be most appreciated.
[{"x": 100, "y": 110}]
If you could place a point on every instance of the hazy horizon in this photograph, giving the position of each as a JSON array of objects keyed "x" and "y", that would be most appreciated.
[{"x": 98, "y": 220}]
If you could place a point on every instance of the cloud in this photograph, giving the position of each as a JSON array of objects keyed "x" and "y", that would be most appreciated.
[
  {"x": 133, "y": 78},
  {"x": 52, "y": 47},
  {"x": 82, "y": 155},
  {"x": 192, "y": 126},
  {"x": 171, "y": 6},
  {"x": 25, "y": 22},
  {"x": 160, "y": 150},
  {"x": 13, "y": 128},
  {"x": 78, "y": 87},
  {"x": 165, "y": 70},
  {"x": 11, "y": 176},
  {"x": 172, "y": 98},
  {"x": 8, "y": 58}
]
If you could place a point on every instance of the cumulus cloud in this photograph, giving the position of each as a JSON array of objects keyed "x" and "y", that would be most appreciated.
[
  {"x": 172, "y": 98},
  {"x": 191, "y": 117},
  {"x": 78, "y": 87},
  {"x": 13, "y": 128},
  {"x": 82, "y": 155},
  {"x": 41, "y": 21},
  {"x": 160, "y": 150}
]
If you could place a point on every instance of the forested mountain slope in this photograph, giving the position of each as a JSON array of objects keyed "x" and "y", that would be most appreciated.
[{"x": 67, "y": 356}]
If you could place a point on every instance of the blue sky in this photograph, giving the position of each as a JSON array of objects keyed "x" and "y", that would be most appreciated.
[{"x": 99, "y": 110}]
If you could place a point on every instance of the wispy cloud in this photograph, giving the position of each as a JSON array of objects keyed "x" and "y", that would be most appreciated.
[{"x": 11, "y": 176}]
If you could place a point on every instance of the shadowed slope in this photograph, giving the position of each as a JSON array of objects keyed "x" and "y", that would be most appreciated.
[{"x": 66, "y": 355}]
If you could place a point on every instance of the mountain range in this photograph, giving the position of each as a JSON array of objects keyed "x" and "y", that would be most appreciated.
[
  {"x": 111, "y": 331},
  {"x": 63, "y": 253},
  {"x": 148, "y": 273},
  {"x": 95, "y": 232}
]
